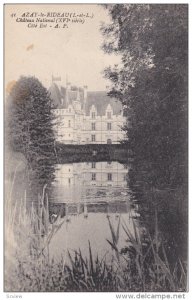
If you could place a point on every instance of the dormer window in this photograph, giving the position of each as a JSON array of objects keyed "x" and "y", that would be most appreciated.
[
  {"x": 93, "y": 112},
  {"x": 109, "y": 115}
]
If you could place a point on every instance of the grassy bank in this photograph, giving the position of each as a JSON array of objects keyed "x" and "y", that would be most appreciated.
[{"x": 141, "y": 265}]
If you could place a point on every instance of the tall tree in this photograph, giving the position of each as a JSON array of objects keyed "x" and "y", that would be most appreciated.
[
  {"x": 30, "y": 126},
  {"x": 152, "y": 84}
]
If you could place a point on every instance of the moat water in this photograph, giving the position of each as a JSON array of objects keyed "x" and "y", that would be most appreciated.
[{"x": 87, "y": 196}]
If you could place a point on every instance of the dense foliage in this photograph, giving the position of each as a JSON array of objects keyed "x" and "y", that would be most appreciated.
[
  {"x": 151, "y": 82},
  {"x": 30, "y": 127}
]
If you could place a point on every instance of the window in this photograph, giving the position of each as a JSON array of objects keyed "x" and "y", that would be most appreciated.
[
  {"x": 93, "y": 126},
  {"x": 93, "y": 115},
  {"x": 109, "y": 115},
  {"x": 109, "y": 177},
  {"x": 93, "y": 165},
  {"x": 108, "y": 126},
  {"x": 93, "y": 138},
  {"x": 69, "y": 123},
  {"x": 70, "y": 109},
  {"x": 69, "y": 180},
  {"x": 93, "y": 176}
]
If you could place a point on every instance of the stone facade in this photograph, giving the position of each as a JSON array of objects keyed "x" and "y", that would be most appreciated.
[{"x": 86, "y": 117}]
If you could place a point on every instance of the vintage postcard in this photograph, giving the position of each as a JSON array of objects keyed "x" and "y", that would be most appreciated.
[{"x": 96, "y": 148}]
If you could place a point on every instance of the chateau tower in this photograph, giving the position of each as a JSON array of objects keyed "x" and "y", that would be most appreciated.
[
  {"x": 85, "y": 88},
  {"x": 68, "y": 88}
]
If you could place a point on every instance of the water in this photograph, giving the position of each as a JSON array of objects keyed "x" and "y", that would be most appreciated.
[
  {"x": 90, "y": 182},
  {"x": 86, "y": 196}
]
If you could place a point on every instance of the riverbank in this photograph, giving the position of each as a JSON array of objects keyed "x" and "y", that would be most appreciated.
[{"x": 140, "y": 266}]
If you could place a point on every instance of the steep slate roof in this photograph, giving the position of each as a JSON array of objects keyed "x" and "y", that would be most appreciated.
[
  {"x": 73, "y": 96},
  {"x": 99, "y": 99},
  {"x": 57, "y": 94}
]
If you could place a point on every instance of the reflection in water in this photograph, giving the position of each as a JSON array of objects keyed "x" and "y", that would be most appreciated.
[
  {"x": 86, "y": 195},
  {"x": 79, "y": 182},
  {"x": 88, "y": 201}
]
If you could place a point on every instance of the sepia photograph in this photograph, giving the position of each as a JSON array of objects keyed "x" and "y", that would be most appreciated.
[{"x": 96, "y": 148}]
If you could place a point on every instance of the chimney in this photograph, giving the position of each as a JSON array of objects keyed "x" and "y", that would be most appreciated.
[
  {"x": 68, "y": 88},
  {"x": 84, "y": 95},
  {"x": 56, "y": 78}
]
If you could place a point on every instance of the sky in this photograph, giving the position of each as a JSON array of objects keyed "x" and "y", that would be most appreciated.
[{"x": 74, "y": 52}]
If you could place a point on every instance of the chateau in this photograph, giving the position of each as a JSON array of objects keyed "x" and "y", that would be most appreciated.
[{"x": 86, "y": 117}]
